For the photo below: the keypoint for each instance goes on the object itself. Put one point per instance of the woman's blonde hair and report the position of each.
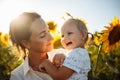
(20, 28)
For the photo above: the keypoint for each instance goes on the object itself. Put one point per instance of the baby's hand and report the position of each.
(42, 66)
(58, 59)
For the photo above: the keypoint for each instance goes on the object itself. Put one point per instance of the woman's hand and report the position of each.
(42, 66)
(58, 59)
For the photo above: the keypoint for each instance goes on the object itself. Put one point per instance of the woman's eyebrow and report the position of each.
(42, 32)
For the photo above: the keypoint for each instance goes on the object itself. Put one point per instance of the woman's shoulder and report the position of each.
(18, 69)
(17, 73)
(22, 68)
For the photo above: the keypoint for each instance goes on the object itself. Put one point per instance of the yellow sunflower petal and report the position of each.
(5, 39)
(105, 31)
(57, 42)
(106, 27)
(115, 21)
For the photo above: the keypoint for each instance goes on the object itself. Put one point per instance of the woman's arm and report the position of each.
(61, 73)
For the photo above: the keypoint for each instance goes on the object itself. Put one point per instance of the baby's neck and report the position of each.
(78, 47)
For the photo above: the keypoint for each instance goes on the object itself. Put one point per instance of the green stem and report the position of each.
(96, 66)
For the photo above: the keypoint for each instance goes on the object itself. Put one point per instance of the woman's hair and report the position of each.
(80, 25)
(20, 28)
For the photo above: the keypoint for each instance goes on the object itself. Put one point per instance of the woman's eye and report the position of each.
(42, 35)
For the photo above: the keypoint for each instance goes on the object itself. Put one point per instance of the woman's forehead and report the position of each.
(38, 26)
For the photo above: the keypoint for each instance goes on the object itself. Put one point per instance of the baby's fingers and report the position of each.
(58, 58)
(41, 68)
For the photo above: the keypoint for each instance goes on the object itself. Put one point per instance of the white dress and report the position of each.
(79, 61)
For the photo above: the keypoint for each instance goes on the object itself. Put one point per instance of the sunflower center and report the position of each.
(114, 35)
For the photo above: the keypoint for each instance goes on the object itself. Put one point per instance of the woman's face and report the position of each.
(41, 39)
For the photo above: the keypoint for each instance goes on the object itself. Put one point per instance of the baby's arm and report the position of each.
(61, 73)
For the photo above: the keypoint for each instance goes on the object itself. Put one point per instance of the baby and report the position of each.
(77, 62)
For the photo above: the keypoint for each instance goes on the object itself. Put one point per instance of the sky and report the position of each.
(97, 13)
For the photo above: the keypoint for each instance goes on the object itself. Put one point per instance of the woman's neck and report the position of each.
(35, 59)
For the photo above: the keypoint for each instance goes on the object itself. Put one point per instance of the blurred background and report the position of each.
(102, 18)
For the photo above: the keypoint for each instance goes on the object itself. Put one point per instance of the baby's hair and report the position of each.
(80, 24)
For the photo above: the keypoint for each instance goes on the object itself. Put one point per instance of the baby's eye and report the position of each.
(70, 33)
(62, 35)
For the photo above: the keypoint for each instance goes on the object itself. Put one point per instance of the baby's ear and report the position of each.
(25, 44)
(85, 34)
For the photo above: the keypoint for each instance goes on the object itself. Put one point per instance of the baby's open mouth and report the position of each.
(69, 43)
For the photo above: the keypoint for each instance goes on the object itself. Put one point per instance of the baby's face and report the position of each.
(71, 36)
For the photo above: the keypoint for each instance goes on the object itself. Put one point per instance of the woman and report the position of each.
(30, 33)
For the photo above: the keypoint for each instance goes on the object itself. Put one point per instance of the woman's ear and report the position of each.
(25, 43)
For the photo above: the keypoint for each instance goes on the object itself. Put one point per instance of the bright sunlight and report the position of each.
(11, 9)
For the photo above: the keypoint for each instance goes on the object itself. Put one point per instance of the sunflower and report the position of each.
(96, 38)
(111, 36)
(52, 26)
(0, 33)
(5, 39)
(57, 41)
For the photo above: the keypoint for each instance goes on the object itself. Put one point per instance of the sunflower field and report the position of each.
(104, 52)
(103, 48)
(9, 57)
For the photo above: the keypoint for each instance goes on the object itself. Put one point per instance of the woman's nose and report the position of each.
(50, 37)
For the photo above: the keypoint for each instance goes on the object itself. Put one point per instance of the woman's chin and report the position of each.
(50, 48)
